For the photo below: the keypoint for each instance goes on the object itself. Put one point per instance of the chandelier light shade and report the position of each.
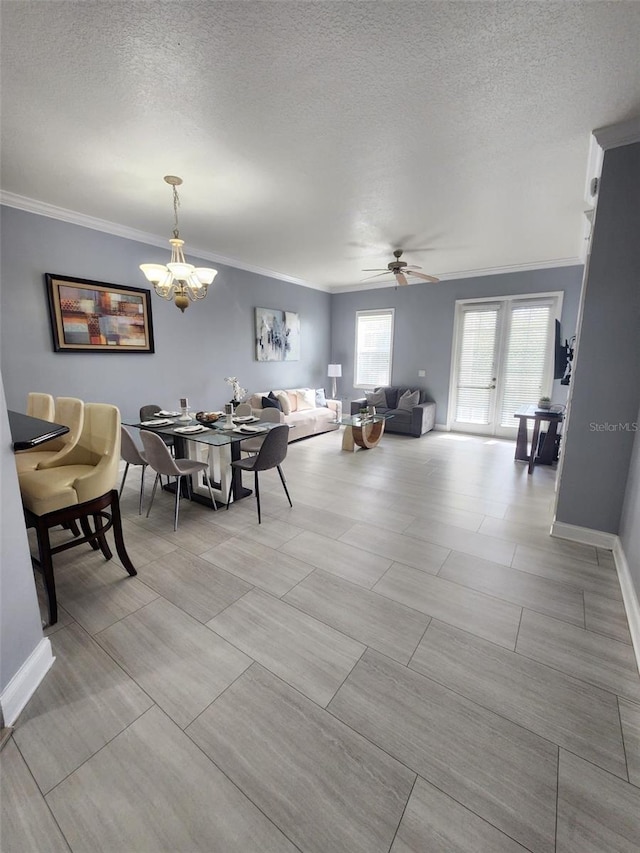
(178, 280)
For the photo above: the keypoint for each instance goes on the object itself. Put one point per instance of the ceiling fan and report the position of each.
(400, 269)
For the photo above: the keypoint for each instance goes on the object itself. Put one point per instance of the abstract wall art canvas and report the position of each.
(91, 316)
(277, 335)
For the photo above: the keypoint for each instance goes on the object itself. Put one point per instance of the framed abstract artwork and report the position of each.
(277, 335)
(91, 316)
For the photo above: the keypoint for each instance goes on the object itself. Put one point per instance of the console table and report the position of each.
(548, 449)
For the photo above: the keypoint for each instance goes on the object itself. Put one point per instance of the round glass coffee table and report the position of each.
(362, 432)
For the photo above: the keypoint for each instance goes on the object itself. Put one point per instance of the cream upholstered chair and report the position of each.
(80, 489)
(162, 462)
(132, 455)
(271, 454)
(68, 411)
(40, 406)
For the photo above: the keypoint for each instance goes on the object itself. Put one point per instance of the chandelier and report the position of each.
(178, 280)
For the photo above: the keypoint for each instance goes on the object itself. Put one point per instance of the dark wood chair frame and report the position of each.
(67, 517)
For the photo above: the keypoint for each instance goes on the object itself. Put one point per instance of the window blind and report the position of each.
(526, 358)
(374, 343)
(476, 365)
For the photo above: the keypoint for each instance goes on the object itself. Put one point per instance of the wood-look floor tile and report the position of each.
(502, 772)
(538, 537)
(400, 547)
(304, 652)
(606, 558)
(483, 615)
(97, 595)
(143, 546)
(84, 700)
(193, 583)
(337, 558)
(597, 813)
(179, 662)
(195, 535)
(584, 576)
(434, 822)
(372, 619)
(382, 512)
(27, 824)
(521, 588)
(562, 709)
(606, 616)
(592, 657)
(323, 785)
(476, 544)
(321, 521)
(431, 509)
(259, 565)
(630, 719)
(158, 800)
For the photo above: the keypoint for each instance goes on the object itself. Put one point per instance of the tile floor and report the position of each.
(405, 661)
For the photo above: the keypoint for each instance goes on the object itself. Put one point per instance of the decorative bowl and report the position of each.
(207, 418)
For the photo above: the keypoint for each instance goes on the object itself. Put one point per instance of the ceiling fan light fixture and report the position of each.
(178, 280)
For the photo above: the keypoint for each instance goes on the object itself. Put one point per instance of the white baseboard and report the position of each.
(629, 596)
(441, 428)
(584, 535)
(24, 683)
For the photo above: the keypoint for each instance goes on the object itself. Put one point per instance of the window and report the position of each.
(374, 345)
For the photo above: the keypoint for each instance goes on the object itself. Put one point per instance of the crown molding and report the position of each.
(615, 135)
(42, 208)
(539, 265)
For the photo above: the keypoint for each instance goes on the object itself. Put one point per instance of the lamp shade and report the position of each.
(334, 370)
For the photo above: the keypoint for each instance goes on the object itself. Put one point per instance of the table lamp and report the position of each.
(334, 371)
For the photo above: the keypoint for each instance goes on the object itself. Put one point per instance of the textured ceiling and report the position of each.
(313, 137)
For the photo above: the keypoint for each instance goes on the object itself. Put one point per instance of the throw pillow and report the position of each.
(268, 403)
(391, 394)
(283, 399)
(376, 398)
(408, 400)
(321, 400)
(306, 399)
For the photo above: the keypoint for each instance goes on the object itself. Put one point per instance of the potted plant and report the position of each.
(544, 403)
(237, 392)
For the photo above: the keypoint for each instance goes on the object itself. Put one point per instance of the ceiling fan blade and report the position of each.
(366, 278)
(412, 267)
(401, 278)
(376, 269)
(421, 275)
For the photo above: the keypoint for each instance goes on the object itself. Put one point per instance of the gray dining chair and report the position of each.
(253, 445)
(242, 410)
(149, 412)
(162, 462)
(132, 455)
(271, 454)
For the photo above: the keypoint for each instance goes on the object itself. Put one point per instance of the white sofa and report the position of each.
(305, 421)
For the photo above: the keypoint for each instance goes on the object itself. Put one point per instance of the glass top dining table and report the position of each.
(222, 475)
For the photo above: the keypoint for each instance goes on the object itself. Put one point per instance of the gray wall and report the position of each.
(630, 520)
(194, 352)
(606, 386)
(214, 338)
(20, 626)
(424, 324)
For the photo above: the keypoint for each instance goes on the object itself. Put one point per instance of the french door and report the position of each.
(502, 360)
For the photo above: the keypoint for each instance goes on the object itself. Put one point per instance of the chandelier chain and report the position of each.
(176, 205)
